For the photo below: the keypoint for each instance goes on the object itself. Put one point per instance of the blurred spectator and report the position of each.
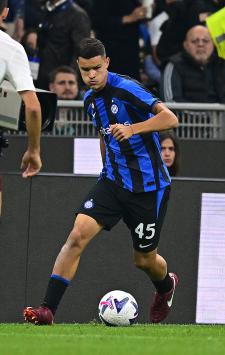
(197, 74)
(87, 5)
(29, 42)
(116, 24)
(170, 151)
(64, 25)
(29, 13)
(199, 10)
(148, 65)
(10, 20)
(172, 30)
(64, 83)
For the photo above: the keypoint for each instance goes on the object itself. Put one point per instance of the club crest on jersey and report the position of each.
(114, 109)
(89, 204)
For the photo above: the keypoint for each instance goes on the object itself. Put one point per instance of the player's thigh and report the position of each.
(102, 204)
(144, 217)
(87, 225)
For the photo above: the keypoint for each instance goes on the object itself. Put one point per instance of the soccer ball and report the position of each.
(118, 308)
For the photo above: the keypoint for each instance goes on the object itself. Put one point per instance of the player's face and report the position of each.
(199, 44)
(168, 151)
(65, 86)
(94, 71)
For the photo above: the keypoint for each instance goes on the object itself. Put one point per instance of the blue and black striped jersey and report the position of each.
(134, 164)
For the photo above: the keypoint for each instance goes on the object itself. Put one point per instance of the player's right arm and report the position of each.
(18, 73)
(102, 149)
(31, 162)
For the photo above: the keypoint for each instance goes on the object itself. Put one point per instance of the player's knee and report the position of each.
(76, 239)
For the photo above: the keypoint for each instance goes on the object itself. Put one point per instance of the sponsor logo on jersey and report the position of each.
(106, 131)
(114, 109)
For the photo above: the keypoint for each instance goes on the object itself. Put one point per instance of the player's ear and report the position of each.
(5, 13)
(107, 61)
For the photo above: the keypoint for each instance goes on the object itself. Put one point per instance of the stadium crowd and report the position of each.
(172, 52)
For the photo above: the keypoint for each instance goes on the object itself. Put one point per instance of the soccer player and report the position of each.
(133, 185)
(14, 59)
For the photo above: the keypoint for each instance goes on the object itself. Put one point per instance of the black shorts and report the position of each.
(143, 213)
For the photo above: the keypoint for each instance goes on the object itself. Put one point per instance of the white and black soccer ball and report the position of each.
(118, 308)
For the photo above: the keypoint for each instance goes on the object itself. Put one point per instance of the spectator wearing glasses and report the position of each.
(196, 74)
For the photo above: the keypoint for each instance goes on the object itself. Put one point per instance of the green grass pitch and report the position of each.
(96, 339)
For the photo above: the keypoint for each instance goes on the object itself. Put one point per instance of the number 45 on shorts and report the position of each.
(142, 229)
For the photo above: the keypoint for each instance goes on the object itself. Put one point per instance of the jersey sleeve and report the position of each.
(18, 71)
(146, 98)
(139, 96)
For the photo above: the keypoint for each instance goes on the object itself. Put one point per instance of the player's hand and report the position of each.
(121, 132)
(31, 164)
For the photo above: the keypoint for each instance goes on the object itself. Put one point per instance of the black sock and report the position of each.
(56, 287)
(165, 285)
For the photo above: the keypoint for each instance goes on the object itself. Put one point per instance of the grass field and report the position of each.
(96, 339)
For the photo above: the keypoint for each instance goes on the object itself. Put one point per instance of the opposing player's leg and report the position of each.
(145, 217)
(85, 228)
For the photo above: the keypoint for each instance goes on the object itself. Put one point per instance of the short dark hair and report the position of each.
(3, 4)
(169, 134)
(91, 47)
(61, 69)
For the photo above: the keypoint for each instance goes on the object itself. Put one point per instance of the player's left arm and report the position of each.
(163, 119)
